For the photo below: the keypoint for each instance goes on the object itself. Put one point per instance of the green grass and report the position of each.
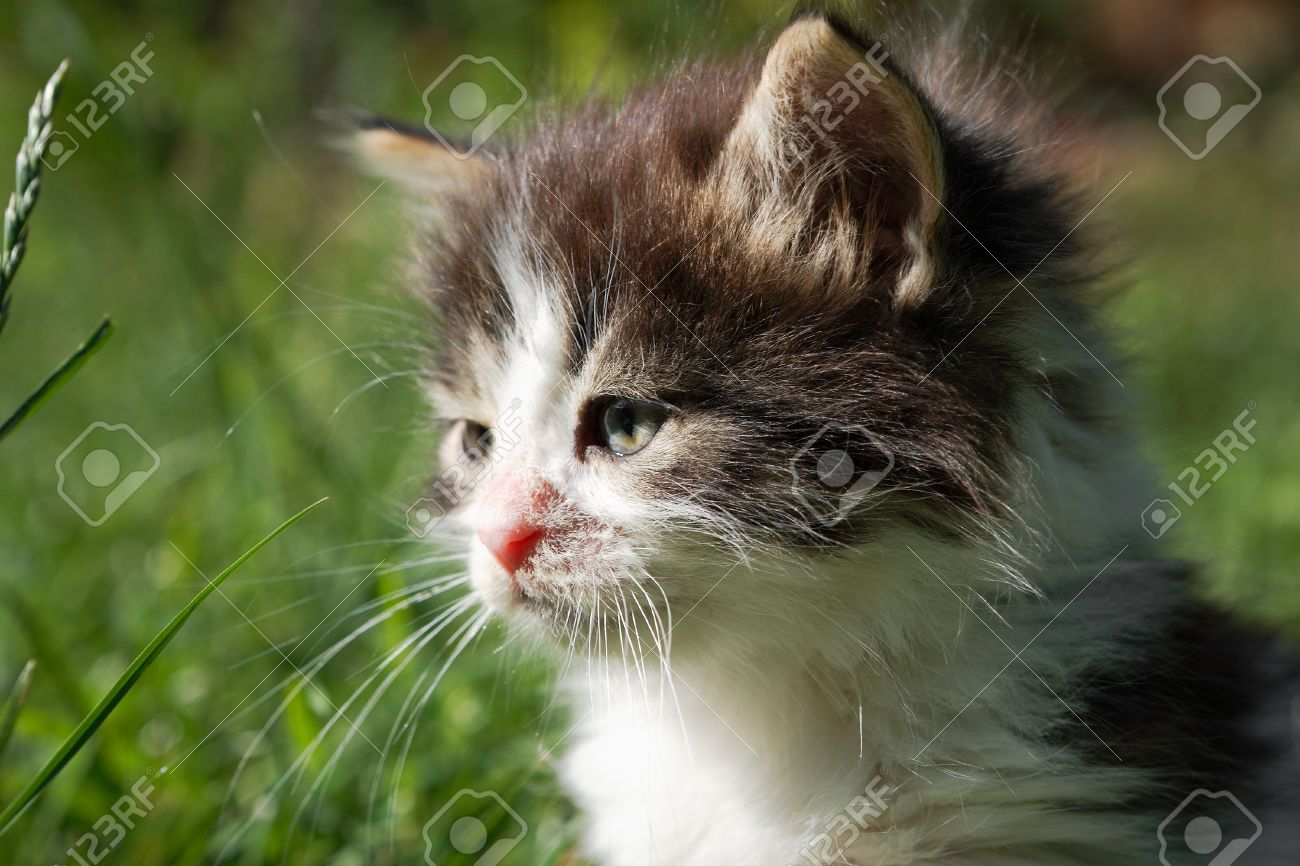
(120, 689)
(28, 165)
(282, 413)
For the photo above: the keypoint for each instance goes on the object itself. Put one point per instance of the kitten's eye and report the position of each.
(475, 440)
(626, 426)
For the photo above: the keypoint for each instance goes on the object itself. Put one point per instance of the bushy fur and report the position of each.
(985, 631)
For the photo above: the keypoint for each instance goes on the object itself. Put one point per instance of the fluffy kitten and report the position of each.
(788, 373)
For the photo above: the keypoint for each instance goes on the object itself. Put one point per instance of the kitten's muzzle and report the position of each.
(512, 524)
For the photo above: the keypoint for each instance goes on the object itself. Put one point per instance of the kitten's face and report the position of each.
(581, 467)
(690, 335)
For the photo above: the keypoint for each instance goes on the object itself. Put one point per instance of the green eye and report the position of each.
(626, 426)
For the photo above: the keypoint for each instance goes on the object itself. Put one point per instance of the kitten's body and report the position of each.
(988, 635)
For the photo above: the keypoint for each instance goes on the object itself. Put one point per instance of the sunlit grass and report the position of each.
(120, 689)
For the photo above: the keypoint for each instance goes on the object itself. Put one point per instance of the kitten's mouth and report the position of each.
(531, 589)
(548, 594)
(525, 591)
(541, 591)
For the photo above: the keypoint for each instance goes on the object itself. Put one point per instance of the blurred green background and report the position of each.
(254, 425)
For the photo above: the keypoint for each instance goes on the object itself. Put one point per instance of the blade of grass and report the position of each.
(14, 703)
(60, 376)
(13, 241)
(91, 722)
(27, 184)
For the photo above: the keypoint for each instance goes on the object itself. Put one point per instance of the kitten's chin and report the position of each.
(523, 595)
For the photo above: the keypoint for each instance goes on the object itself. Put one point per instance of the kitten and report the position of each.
(794, 429)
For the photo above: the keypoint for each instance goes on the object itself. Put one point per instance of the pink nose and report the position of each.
(511, 518)
(511, 545)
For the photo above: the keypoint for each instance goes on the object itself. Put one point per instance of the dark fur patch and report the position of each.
(1186, 704)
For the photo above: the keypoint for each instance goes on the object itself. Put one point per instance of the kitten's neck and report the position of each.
(658, 762)
(804, 704)
(914, 689)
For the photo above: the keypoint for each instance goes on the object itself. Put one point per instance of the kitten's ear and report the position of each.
(406, 154)
(839, 133)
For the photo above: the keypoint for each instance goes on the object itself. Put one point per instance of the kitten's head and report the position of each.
(738, 320)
